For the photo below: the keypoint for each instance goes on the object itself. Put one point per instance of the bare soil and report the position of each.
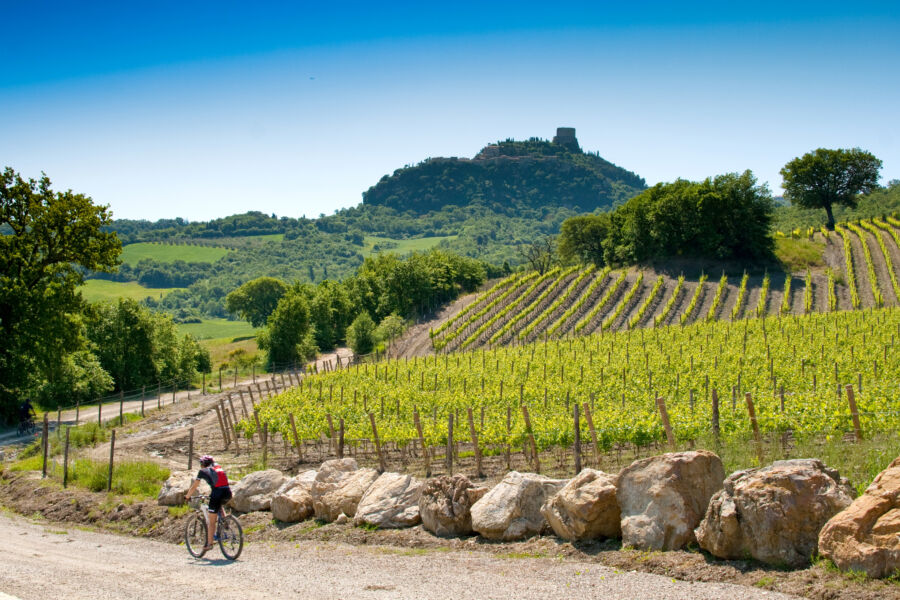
(881, 270)
(863, 285)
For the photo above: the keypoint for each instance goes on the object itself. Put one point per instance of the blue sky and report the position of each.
(205, 109)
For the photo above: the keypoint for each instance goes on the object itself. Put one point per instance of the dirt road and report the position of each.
(41, 560)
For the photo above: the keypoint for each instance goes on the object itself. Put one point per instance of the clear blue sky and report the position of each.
(205, 109)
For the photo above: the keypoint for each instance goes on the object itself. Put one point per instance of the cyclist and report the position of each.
(26, 414)
(215, 476)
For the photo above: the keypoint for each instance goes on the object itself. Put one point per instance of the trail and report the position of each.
(50, 561)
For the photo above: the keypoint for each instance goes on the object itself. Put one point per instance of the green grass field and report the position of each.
(97, 290)
(401, 246)
(211, 329)
(132, 253)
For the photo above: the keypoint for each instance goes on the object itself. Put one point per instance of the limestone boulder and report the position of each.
(392, 502)
(585, 508)
(664, 498)
(774, 513)
(338, 487)
(511, 510)
(255, 490)
(866, 535)
(292, 502)
(174, 488)
(445, 505)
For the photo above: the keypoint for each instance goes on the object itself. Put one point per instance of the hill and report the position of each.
(509, 176)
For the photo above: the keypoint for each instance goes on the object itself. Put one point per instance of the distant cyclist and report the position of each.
(215, 476)
(26, 415)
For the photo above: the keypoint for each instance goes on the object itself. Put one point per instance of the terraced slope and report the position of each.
(862, 271)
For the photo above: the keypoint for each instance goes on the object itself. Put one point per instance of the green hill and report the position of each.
(507, 176)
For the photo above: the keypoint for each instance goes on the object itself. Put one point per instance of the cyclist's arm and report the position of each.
(194, 485)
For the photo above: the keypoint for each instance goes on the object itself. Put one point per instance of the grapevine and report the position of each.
(870, 265)
(876, 231)
(556, 303)
(848, 261)
(763, 297)
(603, 302)
(695, 299)
(670, 303)
(742, 295)
(786, 297)
(478, 300)
(717, 299)
(588, 293)
(634, 320)
(832, 296)
(525, 312)
(611, 318)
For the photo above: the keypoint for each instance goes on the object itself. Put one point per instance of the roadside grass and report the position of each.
(220, 348)
(99, 290)
(799, 254)
(169, 253)
(373, 244)
(136, 479)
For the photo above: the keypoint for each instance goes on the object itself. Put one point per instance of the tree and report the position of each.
(256, 300)
(287, 334)
(48, 239)
(826, 177)
(360, 334)
(581, 239)
(539, 254)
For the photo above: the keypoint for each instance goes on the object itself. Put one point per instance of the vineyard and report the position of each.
(862, 270)
(797, 370)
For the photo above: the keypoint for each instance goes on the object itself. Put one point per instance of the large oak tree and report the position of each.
(824, 177)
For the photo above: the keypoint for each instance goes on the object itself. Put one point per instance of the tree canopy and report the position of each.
(824, 177)
(51, 237)
(256, 300)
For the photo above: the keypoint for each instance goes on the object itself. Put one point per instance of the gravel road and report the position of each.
(42, 560)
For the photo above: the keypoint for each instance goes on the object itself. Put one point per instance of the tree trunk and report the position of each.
(830, 223)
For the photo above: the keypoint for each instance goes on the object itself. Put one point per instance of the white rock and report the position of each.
(512, 509)
(338, 487)
(392, 502)
(293, 500)
(663, 498)
(586, 508)
(174, 488)
(445, 504)
(255, 490)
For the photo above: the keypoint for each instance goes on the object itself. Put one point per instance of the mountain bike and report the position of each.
(229, 533)
(26, 427)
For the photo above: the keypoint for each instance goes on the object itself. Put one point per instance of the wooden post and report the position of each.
(577, 440)
(66, 460)
(422, 443)
(296, 437)
(220, 378)
(590, 422)
(340, 448)
(232, 425)
(45, 441)
(191, 449)
(381, 464)
(143, 394)
(158, 394)
(256, 419)
(448, 458)
(265, 444)
(330, 433)
(203, 387)
(121, 405)
(715, 414)
(112, 451)
(751, 410)
(664, 415)
(77, 412)
(221, 425)
(474, 435)
(854, 413)
(100, 411)
(508, 435)
(534, 450)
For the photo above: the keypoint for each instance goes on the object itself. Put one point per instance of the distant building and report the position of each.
(565, 136)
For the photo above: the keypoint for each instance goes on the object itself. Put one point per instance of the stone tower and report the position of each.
(565, 136)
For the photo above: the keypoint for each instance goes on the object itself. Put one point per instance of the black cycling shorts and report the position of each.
(218, 497)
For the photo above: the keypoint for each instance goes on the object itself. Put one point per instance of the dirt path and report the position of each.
(42, 561)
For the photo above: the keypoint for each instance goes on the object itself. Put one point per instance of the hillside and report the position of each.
(507, 176)
(859, 267)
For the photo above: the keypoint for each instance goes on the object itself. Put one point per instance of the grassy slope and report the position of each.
(218, 328)
(403, 246)
(133, 253)
(97, 290)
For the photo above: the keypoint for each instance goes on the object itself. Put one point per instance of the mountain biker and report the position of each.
(215, 476)
(26, 412)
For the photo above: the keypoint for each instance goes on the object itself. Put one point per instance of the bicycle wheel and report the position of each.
(231, 537)
(195, 536)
